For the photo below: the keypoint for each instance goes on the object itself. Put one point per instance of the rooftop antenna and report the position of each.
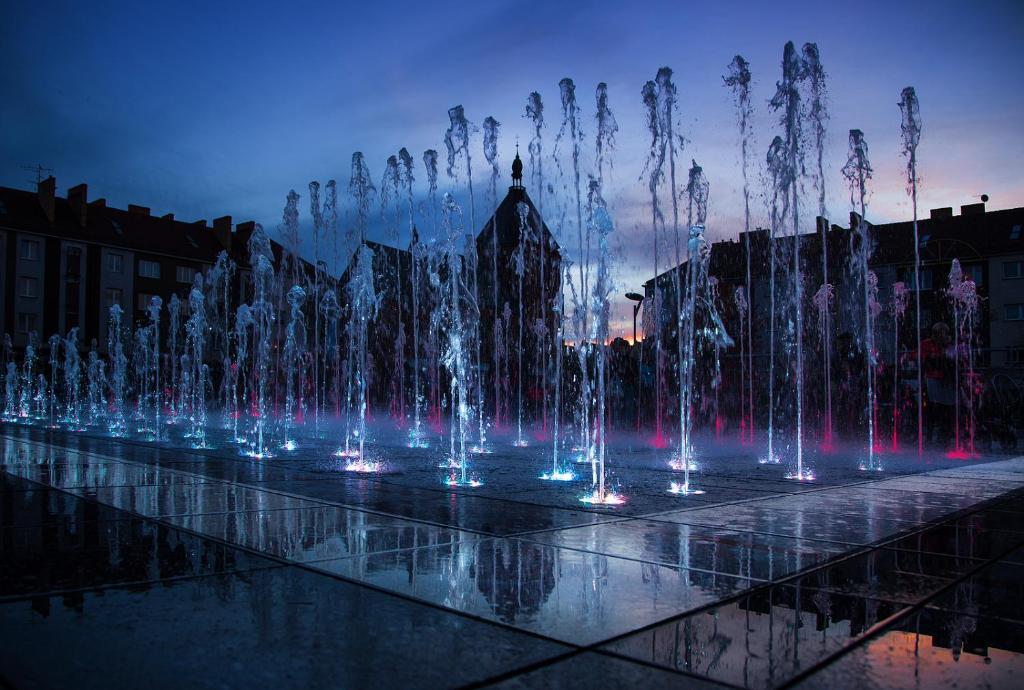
(38, 169)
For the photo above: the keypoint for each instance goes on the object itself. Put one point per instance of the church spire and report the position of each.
(517, 170)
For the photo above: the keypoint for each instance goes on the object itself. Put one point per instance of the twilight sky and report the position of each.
(204, 110)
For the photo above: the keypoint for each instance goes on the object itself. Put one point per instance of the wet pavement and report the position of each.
(128, 565)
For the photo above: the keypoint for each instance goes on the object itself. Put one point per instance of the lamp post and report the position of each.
(639, 299)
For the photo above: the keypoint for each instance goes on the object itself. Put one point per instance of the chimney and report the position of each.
(222, 231)
(243, 231)
(138, 210)
(47, 190)
(78, 197)
(977, 209)
(942, 213)
(99, 203)
(167, 216)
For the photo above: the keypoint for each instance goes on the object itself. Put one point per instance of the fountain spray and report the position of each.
(655, 164)
(600, 223)
(430, 166)
(897, 306)
(857, 172)
(155, 305)
(118, 370)
(910, 127)
(294, 348)
(316, 210)
(364, 301)
(571, 126)
(195, 341)
(456, 140)
(787, 99)
(523, 212)
(739, 80)
(491, 129)
(535, 111)
(262, 312)
(455, 357)
(818, 114)
(406, 179)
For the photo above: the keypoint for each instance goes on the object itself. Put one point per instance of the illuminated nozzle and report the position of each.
(683, 489)
(364, 465)
(608, 499)
(804, 475)
(558, 476)
(456, 481)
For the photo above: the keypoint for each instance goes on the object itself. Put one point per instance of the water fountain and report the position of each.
(857, 172)
(455, 303)
(818, 115)
(456, 140)
(963, 296)
(72, 416)
(364, 302)
(910, 128)
(294, 348)
(739, 80)
(897, 307)
(554, 373)
(262, 313)
(194, 366)
(118, 371)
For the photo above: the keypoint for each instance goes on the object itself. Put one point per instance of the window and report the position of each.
(30, 250)
(149, 269)
(1015, 356)
(73, 263)
(143, 300)
(1015, 232)
(115, 263)
(926, 278)
(112, 296)
(186, 274)
(1013, 269)
(1015, 312)
(28, 287)
(26, 322)
(975, 272)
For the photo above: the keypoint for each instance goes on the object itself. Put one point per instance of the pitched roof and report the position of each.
(507, 217)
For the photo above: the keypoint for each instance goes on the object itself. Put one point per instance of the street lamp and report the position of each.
(639, 299)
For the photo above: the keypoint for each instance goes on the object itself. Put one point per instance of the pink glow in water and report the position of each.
(609, 499)
(659, 441)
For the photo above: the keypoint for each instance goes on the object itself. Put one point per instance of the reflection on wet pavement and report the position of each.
(754, 585)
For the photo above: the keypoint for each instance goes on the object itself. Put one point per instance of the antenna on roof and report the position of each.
(38, 169)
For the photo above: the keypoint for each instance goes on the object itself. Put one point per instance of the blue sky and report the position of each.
(206, 110)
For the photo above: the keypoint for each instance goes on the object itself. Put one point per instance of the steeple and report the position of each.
(517, 170)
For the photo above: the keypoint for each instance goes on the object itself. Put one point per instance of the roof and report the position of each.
(21, 211)
(507, 217)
